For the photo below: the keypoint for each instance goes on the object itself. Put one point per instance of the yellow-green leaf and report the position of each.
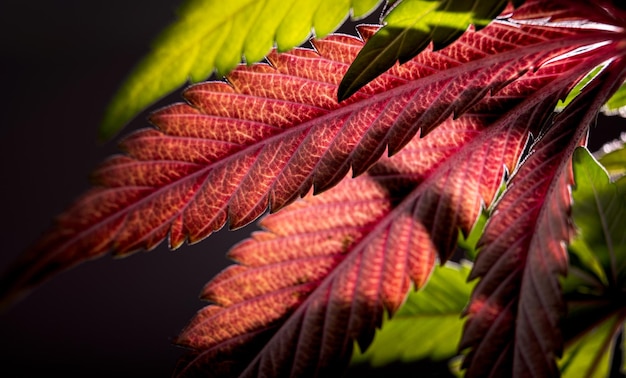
(214, 35)
(613, 157)
(617, 103)
(428, 325)
(590, 355)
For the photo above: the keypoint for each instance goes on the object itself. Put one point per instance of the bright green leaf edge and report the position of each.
(616, 105)
(590, 355)
(214, 35)
(409, 28)
(428, 325)
(613, 157)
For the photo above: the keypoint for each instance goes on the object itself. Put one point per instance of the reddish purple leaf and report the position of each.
(514, 316)
(274, 131)
(327, 267)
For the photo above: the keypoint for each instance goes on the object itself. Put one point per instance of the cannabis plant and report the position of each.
(455, 131)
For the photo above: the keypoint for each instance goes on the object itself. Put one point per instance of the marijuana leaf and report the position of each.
(270, 133)
(437, 186)
(211, 35)
(325, 270)
(594, 289)
(516, 308)
(429, 323)
(409, 28)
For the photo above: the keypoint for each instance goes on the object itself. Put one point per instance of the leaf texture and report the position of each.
(429, 323)
(595, 285)
(409, 28)
(273, 131)
(413, 24)
(211, 35)
(599, 215)
(514, 317)
(326, 269)
(432, 188)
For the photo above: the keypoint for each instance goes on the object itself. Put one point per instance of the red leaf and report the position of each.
(270, 134)
(327, 267)
(514, 315)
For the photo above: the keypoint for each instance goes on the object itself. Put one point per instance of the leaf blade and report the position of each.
(517, 306)
(272, 132)
(429, 323)
(196, 45)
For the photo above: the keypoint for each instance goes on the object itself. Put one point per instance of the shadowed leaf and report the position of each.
(590, 355)
(434, 186)
(409, 28)
(600, 216)
(273, 131)
(594, 288)
(514, 317)
(428, 325)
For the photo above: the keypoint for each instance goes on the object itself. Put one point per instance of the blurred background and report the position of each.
(60, 63)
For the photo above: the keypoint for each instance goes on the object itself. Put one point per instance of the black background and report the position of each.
(60, 63)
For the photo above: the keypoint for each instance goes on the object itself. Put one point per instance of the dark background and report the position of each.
(60, 63)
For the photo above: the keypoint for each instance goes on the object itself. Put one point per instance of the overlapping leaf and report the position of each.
(305, 322)
(590, 355)
(413, 24)
(274, 131)
(409, 28)
(513, 328)
(429, 323)
(613, 156)
(326, 269)
(594, 289)
(211, 35)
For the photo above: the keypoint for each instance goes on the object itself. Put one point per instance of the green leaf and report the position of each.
(579, 86)
(210, 35)
(469, 243)
(613, 157)
(617, 103)
(599, 212)
(597, 272)
(590, 355)
(428, 325)
(409, 28)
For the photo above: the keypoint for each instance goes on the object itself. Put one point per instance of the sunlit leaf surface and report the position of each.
(210, 35)
(273, 131)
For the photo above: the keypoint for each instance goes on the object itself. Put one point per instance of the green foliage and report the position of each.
(429, 324)
(617, 103)
(613, 161)
(600, 214)
(210, 35)
(590, 356)
(409, 28)
(597, 269)
(469, 244)
(576, 90)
